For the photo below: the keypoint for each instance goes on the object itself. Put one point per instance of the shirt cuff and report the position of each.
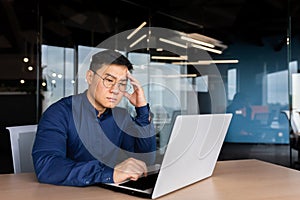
(143, 114)
(144, 110)
(107, 175)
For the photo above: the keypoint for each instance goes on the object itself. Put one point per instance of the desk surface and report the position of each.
(241, 179)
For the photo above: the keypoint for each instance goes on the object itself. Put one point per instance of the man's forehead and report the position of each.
(116, 71)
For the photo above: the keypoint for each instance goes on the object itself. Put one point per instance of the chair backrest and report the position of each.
(21, 139)
(295, 121)
(286, 113)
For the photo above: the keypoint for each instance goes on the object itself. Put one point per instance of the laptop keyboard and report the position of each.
(142, 183)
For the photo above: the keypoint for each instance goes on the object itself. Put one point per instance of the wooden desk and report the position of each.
(242, 179)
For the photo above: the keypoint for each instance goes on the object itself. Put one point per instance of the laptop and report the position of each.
(190, 156)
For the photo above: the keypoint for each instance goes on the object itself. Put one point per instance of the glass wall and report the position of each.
(167, 87)
(261, 95)
(294, 80)
(57, 74)
(257, 85)
(259, 38)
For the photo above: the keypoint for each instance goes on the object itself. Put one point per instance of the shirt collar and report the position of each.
(91, 108)
(104, 115)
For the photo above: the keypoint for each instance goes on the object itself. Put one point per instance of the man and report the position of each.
(86, 139)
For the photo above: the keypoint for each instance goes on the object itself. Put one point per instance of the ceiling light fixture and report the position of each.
(207, 62)
(137, 41)
(197, 41)
(206, 48)
(203, 38)
(169, 57)
(173, 43)
(224, 61)
(25, 59)
(174, 76)
(136, 30)
(30, 68)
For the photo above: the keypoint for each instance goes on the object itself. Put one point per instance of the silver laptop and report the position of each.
(191, 156)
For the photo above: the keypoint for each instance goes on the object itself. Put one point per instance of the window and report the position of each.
(231, 74)
(277, 88)
(57, 73)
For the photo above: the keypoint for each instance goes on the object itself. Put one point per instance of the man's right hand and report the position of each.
(130, 169)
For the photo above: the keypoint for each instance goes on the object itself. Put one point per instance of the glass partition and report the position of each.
(259, 38)
(57, 74)
(256, 85)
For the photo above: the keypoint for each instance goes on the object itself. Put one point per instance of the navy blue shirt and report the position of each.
(75, 147)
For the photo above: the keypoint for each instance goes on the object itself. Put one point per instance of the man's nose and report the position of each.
(115, 89)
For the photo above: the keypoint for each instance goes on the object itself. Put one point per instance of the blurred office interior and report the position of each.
(256, 51)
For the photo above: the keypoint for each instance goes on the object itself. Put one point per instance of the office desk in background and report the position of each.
(240, 179)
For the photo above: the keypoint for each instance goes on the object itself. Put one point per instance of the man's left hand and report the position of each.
(137, 98)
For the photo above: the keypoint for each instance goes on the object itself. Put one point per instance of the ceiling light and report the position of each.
(174, 76)
(30, 68)
(136, 30)
(197, 41)
(173, 43)
(169, 57)
(224, 61)
(25, 60)
(207, 62)
(206, 48)
(137, 41)
(203, 38)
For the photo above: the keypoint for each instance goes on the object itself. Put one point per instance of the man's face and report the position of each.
(106, 93)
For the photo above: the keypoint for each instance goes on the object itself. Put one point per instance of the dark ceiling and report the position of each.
(88, 22)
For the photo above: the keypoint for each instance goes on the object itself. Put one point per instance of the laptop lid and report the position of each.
(191, 154)
(192, 151)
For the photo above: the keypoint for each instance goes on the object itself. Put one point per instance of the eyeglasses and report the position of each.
(109, 82)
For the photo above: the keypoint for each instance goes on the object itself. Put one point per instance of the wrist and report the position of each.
(141, 105)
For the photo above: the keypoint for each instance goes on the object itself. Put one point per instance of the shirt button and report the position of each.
(87, 182)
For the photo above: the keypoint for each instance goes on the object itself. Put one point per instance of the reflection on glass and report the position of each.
(231, 78)
(261, 123)
(57, 73)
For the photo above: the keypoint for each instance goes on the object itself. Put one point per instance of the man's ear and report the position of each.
(89, 76)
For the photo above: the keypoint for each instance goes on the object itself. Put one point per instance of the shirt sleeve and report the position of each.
(52, 161)
(144, 138)
(143, 115)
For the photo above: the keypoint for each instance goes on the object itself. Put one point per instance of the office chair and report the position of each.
(294, 135)
(21, 139)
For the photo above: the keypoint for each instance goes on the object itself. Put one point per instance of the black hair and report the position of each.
(109, 57)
